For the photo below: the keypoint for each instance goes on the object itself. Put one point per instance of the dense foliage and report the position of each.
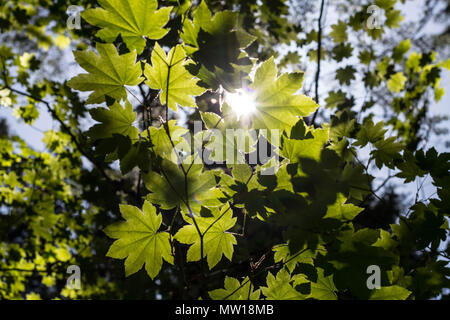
(179, 216)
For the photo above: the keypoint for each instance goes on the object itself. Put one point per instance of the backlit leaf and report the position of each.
(139, 240)
(131, 19)
(108, 74)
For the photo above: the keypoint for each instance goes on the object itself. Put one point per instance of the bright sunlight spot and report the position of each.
(242, 102)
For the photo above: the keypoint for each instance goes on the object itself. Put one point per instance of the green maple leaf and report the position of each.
(216, 44)
(242, 172)
(343, 149)
(385, 241)
(383, 66)
(202, 16)
(139, 240)
(235, 290)
(168, 73)
(215, 41)
(137, 155)
(312, 36)
(310, 148)
(131, 19)
(342, 211)
(230, 79)
(282, 254)
(242, 181)
(161, 142)
(217, 242)
(393, 18)
(114, 120)
(169, 189)
(371, 81)
(410, 169)
(429, 226)
(390, 293)
(45, 220)
(357, 249)
(313, 55)
(222, 138)
(277, 105)
(335, 99)
(397, 82)
(345, 75)
(280, 287)
(386, 152)
(366, 57)
(323, 288)
(385, 4)
(358, 182)
(108, 73)
(342, 51)
(401, 49)
(343, 124)
(370, 132)
(339, 33)
(375, 33)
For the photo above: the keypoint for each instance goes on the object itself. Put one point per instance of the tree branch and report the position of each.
(319, 53)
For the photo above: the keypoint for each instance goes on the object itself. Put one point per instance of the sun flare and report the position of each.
(242, 102)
